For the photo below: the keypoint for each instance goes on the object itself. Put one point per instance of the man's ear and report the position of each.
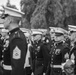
(9, 20)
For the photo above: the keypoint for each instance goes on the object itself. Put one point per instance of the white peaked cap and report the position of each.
(36, 32)
(27, 34)
(72, 28)
(56, 30)
(13, 12)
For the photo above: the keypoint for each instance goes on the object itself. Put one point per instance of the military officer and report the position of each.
(15, 52)
(59, 53)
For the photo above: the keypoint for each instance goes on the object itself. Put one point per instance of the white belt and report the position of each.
(7, 67)
(56, 66)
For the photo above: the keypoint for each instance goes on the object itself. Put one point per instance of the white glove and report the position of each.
(63, 66)
(32, 73)
(44, 74)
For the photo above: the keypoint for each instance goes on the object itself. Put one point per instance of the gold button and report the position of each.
(4, 45)
(2, 50)
(35, 52)
(36, 56)
(2, 56)
(51, 62)
(15, 32)
(51, 59)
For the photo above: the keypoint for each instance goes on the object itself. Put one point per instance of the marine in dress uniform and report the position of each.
(5, 52)
(72, 54)
(17, 47)
(58, 54)
(40, 57)
(34, 50)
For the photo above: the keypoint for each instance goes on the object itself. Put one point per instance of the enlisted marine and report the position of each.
(34, 50)
(17, 45)
(6, 54)
(59, 54)
(72, 54)
(40, 57)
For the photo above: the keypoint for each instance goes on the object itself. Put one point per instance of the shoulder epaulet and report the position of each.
(17, 34)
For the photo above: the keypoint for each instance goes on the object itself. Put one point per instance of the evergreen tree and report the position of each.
(46, 13)
(8, 4)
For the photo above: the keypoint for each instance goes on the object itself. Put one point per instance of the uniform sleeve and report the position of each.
(18, 48)
(46, 57)
(1, 48)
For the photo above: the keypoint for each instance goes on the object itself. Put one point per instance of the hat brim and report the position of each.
(13, 12)
(4, 16)
(58, 34)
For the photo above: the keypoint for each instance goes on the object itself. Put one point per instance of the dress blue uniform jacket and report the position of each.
(18, 49)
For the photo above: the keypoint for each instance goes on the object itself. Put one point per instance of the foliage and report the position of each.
(27, 6)
(11, 6)
(46, 13)
(38, 19)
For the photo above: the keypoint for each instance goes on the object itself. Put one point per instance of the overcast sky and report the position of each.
(13, 2)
